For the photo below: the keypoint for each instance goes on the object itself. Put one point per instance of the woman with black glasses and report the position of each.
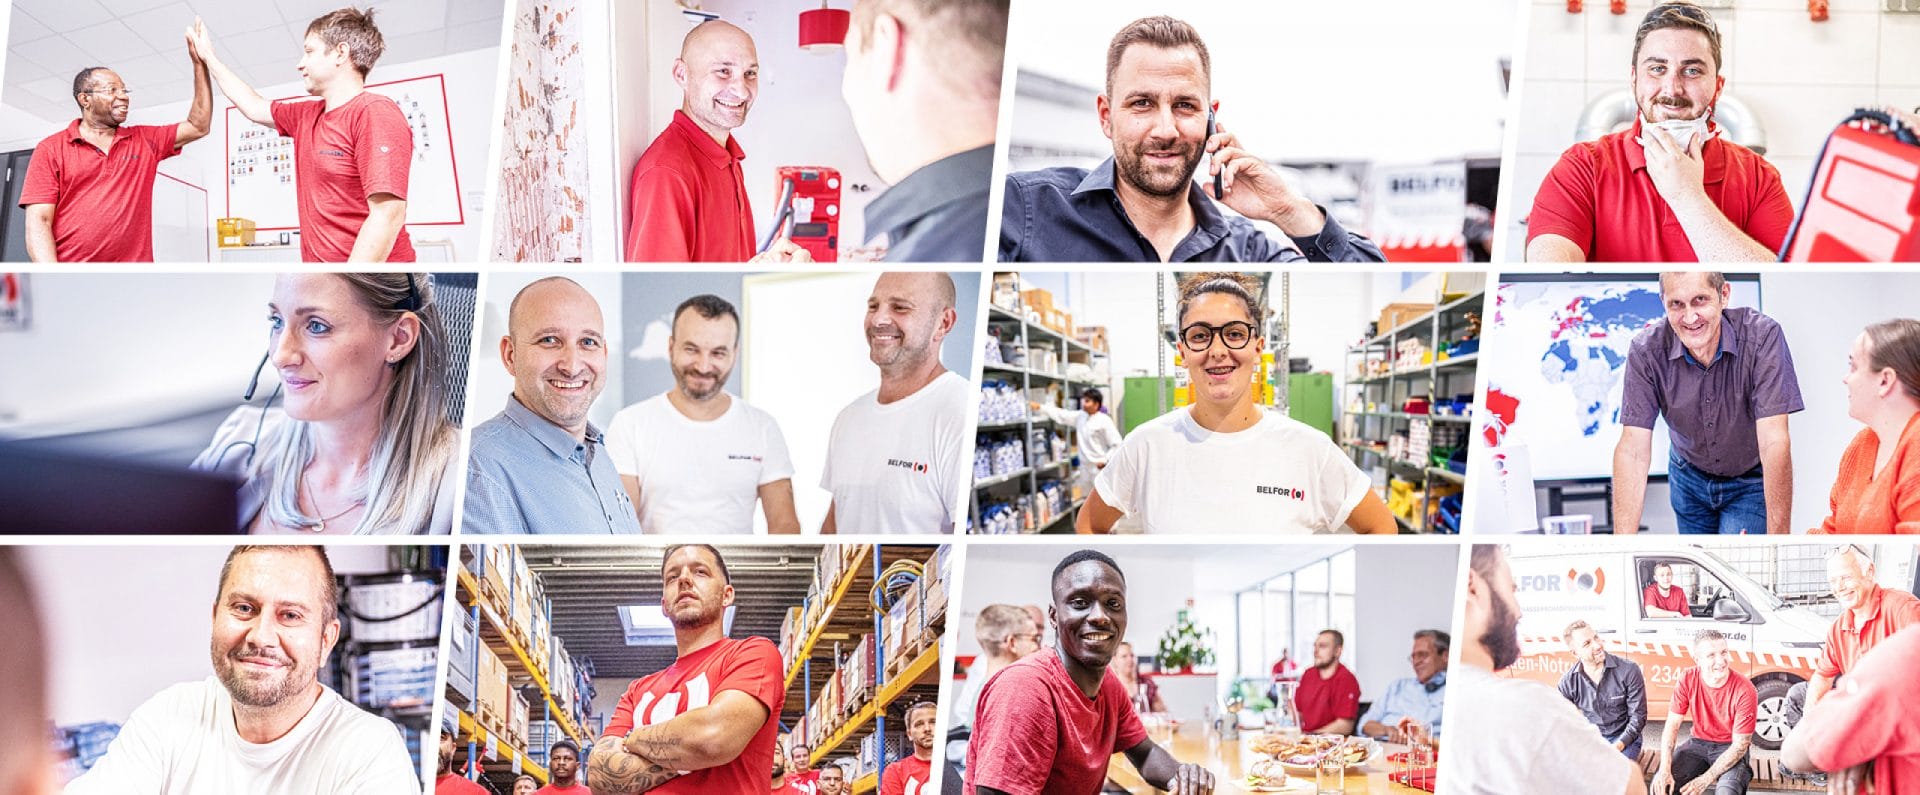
(1227, 464)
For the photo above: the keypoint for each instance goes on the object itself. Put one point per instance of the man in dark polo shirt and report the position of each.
(89, 188)
(1609, 690)
(1723, 379)
(1142, 205)
(923, 85)
(1048, 723)
(688, 198)
(1669, 189)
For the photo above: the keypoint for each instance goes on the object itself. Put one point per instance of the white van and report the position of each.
(1773, 643)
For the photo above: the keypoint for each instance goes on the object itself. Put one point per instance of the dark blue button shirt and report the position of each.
(938, 213)
(1617, 705)
(1074, 215)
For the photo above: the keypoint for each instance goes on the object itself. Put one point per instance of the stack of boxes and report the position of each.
(493, 708)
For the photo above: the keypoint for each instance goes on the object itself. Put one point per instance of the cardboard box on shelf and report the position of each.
(517, 717)
(491, 682)
(1394, 315)
(1094, 337)
(1036, 300)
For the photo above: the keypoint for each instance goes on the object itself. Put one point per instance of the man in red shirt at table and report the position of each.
(88, 192)
(1867, 718)
(447, 782)
(1329, 695)
(1048, 723)
(1724, 706)
(563, 762)
(1669, 189)
(706, 725)
(1661, 599)
(912, 774)
(352, 149)
(688, 198)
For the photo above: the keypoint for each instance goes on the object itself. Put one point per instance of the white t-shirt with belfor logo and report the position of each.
(1278, 476)
(900, 467)
(697, 476)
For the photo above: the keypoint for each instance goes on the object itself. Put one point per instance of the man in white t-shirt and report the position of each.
(1095, 429)
(696, 459)
(1525, 736)
(263, 722)
(896, 459)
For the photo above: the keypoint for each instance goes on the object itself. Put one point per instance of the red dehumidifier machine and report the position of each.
(1864, 202)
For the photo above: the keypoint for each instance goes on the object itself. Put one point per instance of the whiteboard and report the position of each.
(261, 184)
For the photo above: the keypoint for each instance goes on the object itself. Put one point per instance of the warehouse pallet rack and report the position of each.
(844, 616)
(1383, 395)
(523, 675)
(1026, 480)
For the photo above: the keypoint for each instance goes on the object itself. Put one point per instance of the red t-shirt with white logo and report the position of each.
(1718, 712)
(1035, 732)
(805, 783)
(453, 784)
(342, 157)
(102, 201)
(909, 776)
(751, 666)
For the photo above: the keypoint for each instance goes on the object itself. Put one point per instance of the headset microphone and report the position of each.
(257, 370)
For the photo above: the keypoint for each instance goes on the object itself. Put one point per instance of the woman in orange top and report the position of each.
(1878, 489)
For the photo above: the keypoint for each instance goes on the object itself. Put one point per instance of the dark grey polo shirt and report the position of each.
(528, 475)
(938, 213)
(1711, 409)
(1617, 705)
(1074, 215)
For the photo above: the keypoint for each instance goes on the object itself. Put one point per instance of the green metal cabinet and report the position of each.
(1310, 399)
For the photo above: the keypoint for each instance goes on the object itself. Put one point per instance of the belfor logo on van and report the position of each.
(1575, 580)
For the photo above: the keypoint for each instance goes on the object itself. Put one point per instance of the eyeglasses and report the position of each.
(122, 93)
(1198, 337)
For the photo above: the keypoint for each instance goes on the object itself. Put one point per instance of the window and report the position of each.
(1286, 613)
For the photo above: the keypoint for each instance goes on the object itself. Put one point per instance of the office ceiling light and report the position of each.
(824, 29)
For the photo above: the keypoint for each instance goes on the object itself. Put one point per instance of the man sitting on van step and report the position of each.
(1724, 706)
(1609, 690)
(1872, 613)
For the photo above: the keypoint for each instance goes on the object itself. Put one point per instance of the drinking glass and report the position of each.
(1330, 773)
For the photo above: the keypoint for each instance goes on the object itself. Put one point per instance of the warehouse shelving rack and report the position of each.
(1386, 392)
(844, 616)
(1026, 480)
(491, 629)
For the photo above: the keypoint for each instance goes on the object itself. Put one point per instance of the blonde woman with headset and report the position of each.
(362, 443)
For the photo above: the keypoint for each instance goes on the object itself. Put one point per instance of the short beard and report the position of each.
(1502, 638)
(1136, 175)
(719, 384)
(296, 679)
(696, 621)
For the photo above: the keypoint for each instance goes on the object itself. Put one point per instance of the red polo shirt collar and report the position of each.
(120, 133)
(709, 150)
(1713, 155)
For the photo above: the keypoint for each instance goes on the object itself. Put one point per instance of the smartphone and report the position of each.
(1219, 179)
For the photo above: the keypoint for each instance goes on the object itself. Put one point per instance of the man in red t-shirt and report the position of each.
(1668, 189)
(913, 773)
(707, 723)
(687, 201)
(1724, 706)
(563, 763)
(447, 782)
(833, 779)
(1868, 717)
(1328, 698)
(1660, 598)
(800, 773)
(352, 149)
(88, 190)
(1050, 722)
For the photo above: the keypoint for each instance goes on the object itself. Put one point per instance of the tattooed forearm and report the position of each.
(613, 771)
(655, 745)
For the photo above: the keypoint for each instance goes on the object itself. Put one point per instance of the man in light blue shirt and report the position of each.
(1418, 697)
(540, 466)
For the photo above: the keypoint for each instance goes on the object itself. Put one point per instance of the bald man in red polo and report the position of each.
(688, 198)
(89, 188)
(1669, 189)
